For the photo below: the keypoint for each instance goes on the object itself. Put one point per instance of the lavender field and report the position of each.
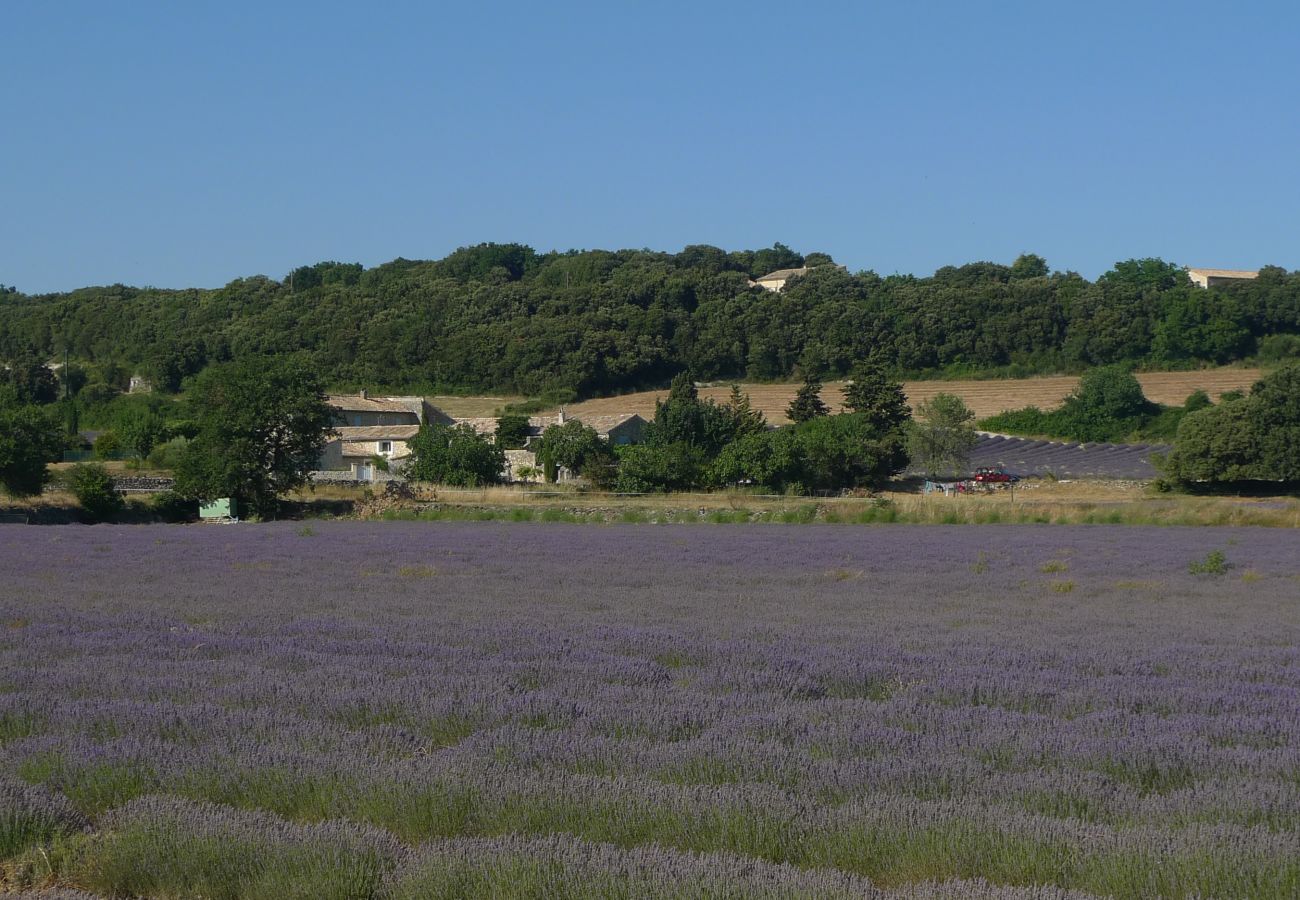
(409, 710)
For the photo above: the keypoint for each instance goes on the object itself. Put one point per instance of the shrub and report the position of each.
(1214, 564)
(172, 507)
(168, 455)
(93, 487)
(108, 446)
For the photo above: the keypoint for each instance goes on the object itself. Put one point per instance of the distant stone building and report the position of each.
(1208, 278)
(775, 281)
(372, 433)
(618, 429)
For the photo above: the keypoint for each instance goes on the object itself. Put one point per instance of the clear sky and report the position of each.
(187, 144)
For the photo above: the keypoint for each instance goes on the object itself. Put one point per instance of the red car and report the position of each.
(994, 475)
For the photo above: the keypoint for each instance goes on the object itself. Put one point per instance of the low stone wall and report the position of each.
(140, 484)
(347, 478)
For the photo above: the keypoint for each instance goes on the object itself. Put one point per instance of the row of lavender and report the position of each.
(1069, 708)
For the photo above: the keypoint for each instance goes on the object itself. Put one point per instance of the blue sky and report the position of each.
(187, 144)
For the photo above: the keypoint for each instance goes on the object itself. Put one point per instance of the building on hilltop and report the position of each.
(1208, 278)
(775, 281)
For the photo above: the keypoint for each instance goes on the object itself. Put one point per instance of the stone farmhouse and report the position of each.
(368, 429)
(1208, 278)
(618, 430)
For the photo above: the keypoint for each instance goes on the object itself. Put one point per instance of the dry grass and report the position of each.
(986, 398)
(471, 407)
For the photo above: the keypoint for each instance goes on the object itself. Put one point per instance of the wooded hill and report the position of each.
(503, 317)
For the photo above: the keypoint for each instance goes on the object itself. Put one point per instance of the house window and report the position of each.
(385, 446)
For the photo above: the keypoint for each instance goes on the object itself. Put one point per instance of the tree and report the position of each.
(646, 468)
(31, 380)
(1107, 394)
(574, 446)
(846, 450)
(683, 418)
(455, 454)
(512, 431)
(1029, 265)
(1276, 404)
(261, 428)
(942, 435)
(770, 458)
(807, 403)
(1217, 444)
(746, 420)
(93, 487)
(29, 440)
(1251, 438)
(878, 397)
(140, 428)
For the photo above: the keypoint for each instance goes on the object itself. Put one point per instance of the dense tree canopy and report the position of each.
(29, 440)
(1251, 438)
(261, 429)
(455, 454)
(503, 317)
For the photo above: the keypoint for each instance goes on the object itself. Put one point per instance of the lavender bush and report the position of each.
(393, 709)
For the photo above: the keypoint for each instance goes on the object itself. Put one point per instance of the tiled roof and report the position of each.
(606, 424)
(1224, 273)
(377, 432)
(354, 403)
(782, 274)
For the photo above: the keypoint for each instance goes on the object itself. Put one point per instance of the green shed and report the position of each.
(221, 508)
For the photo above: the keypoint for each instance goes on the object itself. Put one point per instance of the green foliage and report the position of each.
(92, 485)
(261, 429)
(577, 448)
(877, 397)
(172, 507)
(29, 381)
(846, 450)
(746, 420)
(1197, 399)
(773, 459)
(139, 429)
(1215, 563)
(1252, 438)
(29, 440)
(456, 455)
(1108, 405)
(648, 468)
(512, 431)
(942, 435)
(108, 446)
(683, 418)
(807, 403)
(504, 317)
(168, 455)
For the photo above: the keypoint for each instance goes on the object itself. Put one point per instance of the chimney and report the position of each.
(559, 420)
(364, 394)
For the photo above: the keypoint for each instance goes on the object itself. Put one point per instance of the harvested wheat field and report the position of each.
(987, 397)
(472, 407)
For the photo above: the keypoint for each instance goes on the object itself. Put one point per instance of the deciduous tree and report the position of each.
(261, 429)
